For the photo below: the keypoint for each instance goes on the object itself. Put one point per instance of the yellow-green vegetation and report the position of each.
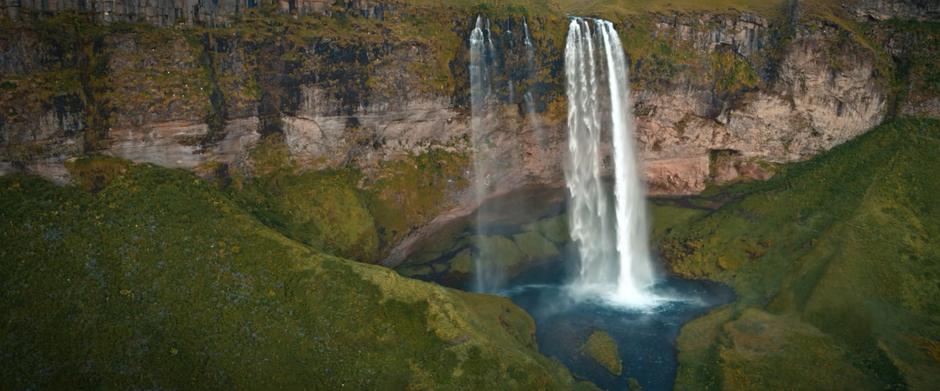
(631, 7)
(535, 246)
(768, 352)
(833, 261)
(553, 228)
(93, 173)
(156, 75)
(917, 75)
(342, 212)
(667, 214)
(64, 66)
(602, 349)
(612, 7)
(730, 72)
(323, 209)
(447, 257)
(159, 280)
(410, 192)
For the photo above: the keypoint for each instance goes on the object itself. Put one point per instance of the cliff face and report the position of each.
(770, 93)
(186, 12)
(919, 10)
(718, 96)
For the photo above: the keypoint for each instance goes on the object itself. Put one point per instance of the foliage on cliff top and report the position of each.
(161, 281)
(845, 244)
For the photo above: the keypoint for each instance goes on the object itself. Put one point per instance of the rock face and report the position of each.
(920, 10)
(187, 12)
(718, 96)
(819, 92)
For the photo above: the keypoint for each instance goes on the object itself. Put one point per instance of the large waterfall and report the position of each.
(613, 247)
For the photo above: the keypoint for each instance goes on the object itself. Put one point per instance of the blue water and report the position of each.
(645, 337)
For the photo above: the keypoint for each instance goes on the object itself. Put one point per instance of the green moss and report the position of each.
(602, 348)
(535, 246)
(322, 209)
(94, 173)
(666, 214)
(552, 228)
(160, 280)
(271, 157)
(500, 250)
(462, 263)
(158, 75)
(843, 242)
(773, 352)
(412, 191)
(731, 72)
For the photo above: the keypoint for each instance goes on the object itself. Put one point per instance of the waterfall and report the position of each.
(529, 98)
(487, 274)
(525, 29)
(613, 247)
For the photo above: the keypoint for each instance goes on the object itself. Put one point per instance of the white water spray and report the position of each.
(615, 258)
(487, 275)
(529, 98)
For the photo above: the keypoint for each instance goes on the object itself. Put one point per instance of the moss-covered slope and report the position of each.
(842, 250)
(158, 280)
(602, 349)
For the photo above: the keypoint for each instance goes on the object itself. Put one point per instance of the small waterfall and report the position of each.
(525, 29)
(487, 274)
(530, 49)
(614, 250)
(529, 97)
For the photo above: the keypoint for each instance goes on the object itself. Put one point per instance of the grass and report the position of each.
(160, 280)
(414, 190)
(844, 244)
(447, 256)
(602, 348)
(341, 211)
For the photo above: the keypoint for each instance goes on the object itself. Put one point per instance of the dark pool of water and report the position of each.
(645, 337)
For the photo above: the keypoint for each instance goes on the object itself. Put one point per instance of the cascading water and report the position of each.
(487, 275)
(529, 97)
(615, 258)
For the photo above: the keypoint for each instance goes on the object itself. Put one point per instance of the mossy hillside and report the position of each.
(841, 243)
(765, 351)
(159, 280)
(668, 213)
(602, 349)
(346, 211)
(323, 209)
(94, 173)
(410, 192)
(448, 257)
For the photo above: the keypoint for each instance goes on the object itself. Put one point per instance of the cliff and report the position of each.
(381, 88)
